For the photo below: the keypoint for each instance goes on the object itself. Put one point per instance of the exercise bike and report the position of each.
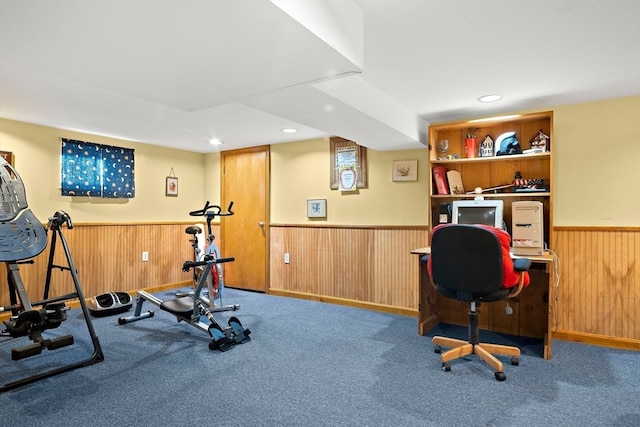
(215, 282)
(192, 307)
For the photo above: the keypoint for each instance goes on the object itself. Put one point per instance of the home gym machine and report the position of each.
(196, 308)
(22, 238)
(215, 282)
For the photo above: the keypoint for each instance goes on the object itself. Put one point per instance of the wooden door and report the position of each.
(245, 235)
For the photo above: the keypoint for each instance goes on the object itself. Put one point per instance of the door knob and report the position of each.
(261, 224)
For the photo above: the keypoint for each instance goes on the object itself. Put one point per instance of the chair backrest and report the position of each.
(22, 236)
(466, 259)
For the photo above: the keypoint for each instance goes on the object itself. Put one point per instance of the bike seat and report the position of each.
(192, 229)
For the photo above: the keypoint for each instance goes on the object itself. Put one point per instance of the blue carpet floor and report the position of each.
(313, 364)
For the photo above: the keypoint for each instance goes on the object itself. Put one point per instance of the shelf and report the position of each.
(532, 156)
(497, 172)
(491, 195)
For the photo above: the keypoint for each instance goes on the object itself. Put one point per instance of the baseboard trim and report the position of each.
(599, 340)
(346, 302)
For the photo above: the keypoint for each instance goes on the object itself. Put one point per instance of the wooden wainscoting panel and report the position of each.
(108, 257)
(396, 271)
(364, 264)
(345, 263)
(599, 288)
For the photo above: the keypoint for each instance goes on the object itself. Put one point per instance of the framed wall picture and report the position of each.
(171, 188)
(347, 155)
(317, 208)
(8, 156)
(405, 170)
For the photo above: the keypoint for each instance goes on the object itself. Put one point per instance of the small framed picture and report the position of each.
(316, 208)
(8, 156)
(171, 188)
(405, 170)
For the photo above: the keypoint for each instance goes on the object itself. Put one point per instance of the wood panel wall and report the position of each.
(599, 286)
(369, 265)
(108, 257)
(598, 293)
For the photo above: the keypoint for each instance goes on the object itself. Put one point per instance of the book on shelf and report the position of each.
(440, 179)
(455, 182)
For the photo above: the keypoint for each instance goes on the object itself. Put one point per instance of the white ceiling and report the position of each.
(177, 73)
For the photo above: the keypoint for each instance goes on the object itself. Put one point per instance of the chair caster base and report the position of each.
(500, 376)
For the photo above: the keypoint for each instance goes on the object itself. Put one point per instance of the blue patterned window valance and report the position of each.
(96, 170)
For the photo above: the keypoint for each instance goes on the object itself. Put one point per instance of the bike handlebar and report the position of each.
(211, 211)
(208, 260)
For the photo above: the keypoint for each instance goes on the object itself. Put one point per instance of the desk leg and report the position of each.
(548, 337)
(428, 308)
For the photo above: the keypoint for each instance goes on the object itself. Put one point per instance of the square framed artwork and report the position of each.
(405, 170)
(316, 208)
(171, 187)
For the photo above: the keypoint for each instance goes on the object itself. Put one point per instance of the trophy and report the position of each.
(443, 146)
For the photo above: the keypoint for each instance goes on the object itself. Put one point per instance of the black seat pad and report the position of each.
(497, 295)
(182, 306)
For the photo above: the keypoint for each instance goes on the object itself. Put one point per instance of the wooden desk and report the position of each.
(532, 309)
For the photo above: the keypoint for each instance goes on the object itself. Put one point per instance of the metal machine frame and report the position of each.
(22, 238)
(191, 308)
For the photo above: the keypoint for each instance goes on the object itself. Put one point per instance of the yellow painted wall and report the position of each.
(596, 174)
(301, 171)
(37, 160)
(596, 178)
(597, 163)
(212, 185)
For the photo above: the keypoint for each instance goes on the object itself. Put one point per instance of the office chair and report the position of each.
(471, 263)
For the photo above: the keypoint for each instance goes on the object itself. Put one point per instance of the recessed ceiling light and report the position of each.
(490, 98)
(289, 130)
(215, 141)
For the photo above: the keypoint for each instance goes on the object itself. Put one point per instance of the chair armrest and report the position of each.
(521, 264)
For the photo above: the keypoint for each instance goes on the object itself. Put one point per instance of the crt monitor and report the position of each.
(488, 212)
